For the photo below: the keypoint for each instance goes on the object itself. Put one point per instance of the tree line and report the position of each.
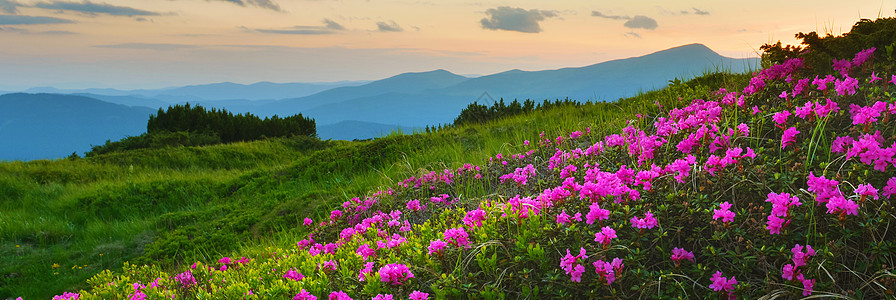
(480, 113)
(229, 127)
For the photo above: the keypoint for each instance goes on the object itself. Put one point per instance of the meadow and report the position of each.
(774, 184)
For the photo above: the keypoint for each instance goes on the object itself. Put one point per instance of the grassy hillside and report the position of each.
(66, 220)
(776, 184)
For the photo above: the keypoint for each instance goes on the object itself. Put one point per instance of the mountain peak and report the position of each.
(690, 49)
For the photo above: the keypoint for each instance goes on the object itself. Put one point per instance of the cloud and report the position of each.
(26, 31)
(515, 19)
(147, 46)
(599, 14)
(632, 34)
(389, 27)
(333, 25)
(330, 27)
(636, 22)
(91, 8)
(641, 22)
(700, 12)
(267, 4)
(30, 20)
(9, 6)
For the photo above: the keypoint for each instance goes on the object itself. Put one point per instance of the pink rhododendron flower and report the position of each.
(304, 295)
(365, 251)
(775, 224)
(865, 190)
(457, 237)
(862, 56)
(596, 213)
(743, 129)
(383, 297)
(395, 274)
(874, 77)
(335, 215)
(340, 295)
(647, 222)
(292, 274)
(842, 66)
(605, 235)
(804, 111)
(720, 283)
(563, 218)
(608, 270)
(418, 295)
(678, 254)
(328, 265)
(890, 189)
(842, 206)
(414, 205)
(367, 270)
(520, 175)
(824, 188)
(474, 217)
(799, 256)
(723, 212)
(307, 222)
(847, 86)
(67, 296)
(808, 284)
(682, 167)
(789, 137)
(185, 279)
(867, 114)
(756, 110)
(893, 80)
(570, 264)
(781, 117)
(788, 271)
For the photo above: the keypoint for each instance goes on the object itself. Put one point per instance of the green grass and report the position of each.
(175, 205)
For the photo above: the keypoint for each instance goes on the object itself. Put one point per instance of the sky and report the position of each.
(131, 44)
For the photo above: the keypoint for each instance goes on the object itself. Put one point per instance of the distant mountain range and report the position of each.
(343, 110)
(37, 126)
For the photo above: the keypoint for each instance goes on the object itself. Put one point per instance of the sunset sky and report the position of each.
(131, 44)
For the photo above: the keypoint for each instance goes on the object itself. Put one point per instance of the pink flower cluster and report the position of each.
(605, 235)
(520, 175)
(435, 247)
(679, 254)
(608, 270)
(792, 271)
(647, 222)
(570, 264)
(474, 217)
(723, 213)
(596, 213)
(396, 274)
(869, 150)
(781, 204)
(563, 218)
(789, 137)
(458, 237)
(185, 279)
(720, 283)
(340, 295)
(67, 296)
(367, 270)
(890, 188)
(304, 295)
(292, 274)
(826, 191)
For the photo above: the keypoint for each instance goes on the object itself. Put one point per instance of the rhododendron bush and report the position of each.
(720, 196)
